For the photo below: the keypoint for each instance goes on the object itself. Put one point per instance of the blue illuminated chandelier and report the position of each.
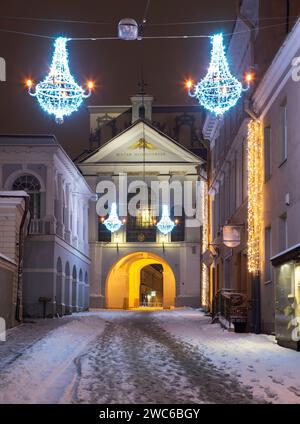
(58, 94)
(112, 223)
(218, 91)
(165, 224)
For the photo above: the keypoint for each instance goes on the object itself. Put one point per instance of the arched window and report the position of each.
(142, 112)
(31, 185)
(141, 228)
(178, 233)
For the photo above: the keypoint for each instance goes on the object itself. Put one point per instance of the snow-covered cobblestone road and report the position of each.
(139, 357)
(136, 361)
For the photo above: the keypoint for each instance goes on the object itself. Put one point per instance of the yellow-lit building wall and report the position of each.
(124, 279)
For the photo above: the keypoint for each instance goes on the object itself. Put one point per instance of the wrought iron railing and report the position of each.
(230, 308)
(151, 304)
(37, 226)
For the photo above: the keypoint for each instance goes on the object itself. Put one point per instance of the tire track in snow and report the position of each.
(136, 361)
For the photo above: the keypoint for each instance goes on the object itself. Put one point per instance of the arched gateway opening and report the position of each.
(140, 279)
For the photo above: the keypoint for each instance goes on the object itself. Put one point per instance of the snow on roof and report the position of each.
(7, 259)
(20, 139)
(14, 193)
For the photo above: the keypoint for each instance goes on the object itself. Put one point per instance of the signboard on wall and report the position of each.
(2, 69)
(231, 236)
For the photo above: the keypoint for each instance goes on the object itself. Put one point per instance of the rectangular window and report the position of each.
(178, 232)
(227, 195)
(239, 176)
(141, 228)
(222, 204)
(245, 169)
(212, 159)
(227, 274)
(233, 187)
(103, 233)
(213, 213)
(267, 153)
(216, 214)
(283, 132)
(283, 233)
(268, 254)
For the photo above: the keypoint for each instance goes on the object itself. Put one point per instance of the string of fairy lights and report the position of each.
(218, 91)
(59, 95)
(205, 244)
(255, 195)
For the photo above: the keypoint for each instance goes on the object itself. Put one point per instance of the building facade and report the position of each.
(276, 102)
(71, 262)
(14, 219)
(56, 255)
(127, 265)
(251, 48)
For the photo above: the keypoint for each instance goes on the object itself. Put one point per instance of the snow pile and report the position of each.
(45, 372)
(268, 370)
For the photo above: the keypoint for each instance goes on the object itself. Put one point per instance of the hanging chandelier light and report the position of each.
(165, 224)
(113, 223)
(218, 91)
(58, 94)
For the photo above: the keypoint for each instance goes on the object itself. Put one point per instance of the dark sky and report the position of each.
(114, 65)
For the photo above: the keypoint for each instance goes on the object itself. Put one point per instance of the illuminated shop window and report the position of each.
(31, 185)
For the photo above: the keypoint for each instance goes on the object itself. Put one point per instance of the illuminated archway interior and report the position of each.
(151, 286)
(129, 278)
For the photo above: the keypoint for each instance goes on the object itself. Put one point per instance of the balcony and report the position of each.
(37, 226)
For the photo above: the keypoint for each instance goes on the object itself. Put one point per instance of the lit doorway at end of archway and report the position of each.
(151, 287)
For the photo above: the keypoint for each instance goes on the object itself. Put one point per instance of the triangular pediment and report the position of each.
(141, 142)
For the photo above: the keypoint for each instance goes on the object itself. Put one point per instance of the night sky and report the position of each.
(115, 66)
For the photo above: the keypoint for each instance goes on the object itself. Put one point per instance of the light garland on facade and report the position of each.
(58, 94)
(113, 223)
(218, 91)
(205, 245)
(255, 196)
(165, 224)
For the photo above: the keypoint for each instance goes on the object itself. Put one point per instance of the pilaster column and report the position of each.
(67, 214)
(60, 293)
(81, 296)
(68, 294)
(86, 227)
(50, 220)
(75, 293)
(60, 225)
(1, 179)
(75, 221)
(80, 219)
(86, 297)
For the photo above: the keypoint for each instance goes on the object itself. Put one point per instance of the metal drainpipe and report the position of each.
(20, 259)
(256, 304)
(255, 279)
(288, 12)
(251, 27)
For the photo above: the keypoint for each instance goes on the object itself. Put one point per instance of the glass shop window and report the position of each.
(283, 132)
(31, 185)
(287, 301)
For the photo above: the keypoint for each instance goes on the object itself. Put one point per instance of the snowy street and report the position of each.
(143, 357)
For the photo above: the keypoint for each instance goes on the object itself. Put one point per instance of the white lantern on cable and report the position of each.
(231, 236)
(165, 225)
(113, 223)
(128, 29)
